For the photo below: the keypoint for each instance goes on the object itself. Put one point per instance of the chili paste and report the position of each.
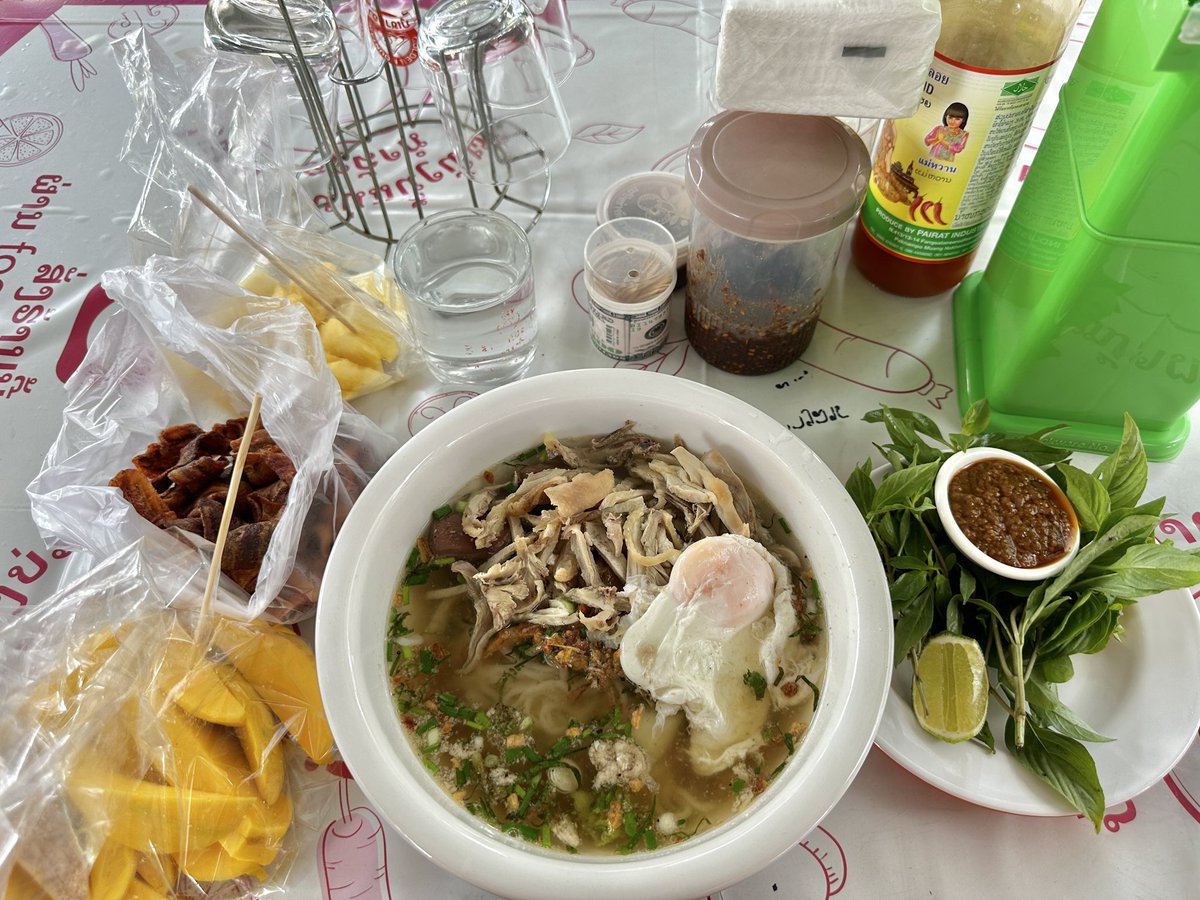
(1012, 514)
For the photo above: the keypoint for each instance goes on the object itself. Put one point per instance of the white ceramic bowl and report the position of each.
(941, 499)
(432, 467)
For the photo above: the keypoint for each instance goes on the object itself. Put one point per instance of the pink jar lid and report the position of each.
(774, 177)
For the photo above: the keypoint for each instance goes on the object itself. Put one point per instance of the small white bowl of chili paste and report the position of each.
(1006, 514)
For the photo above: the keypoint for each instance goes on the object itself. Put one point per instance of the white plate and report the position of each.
(1144, 691)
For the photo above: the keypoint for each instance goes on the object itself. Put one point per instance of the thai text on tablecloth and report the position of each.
(27, 284)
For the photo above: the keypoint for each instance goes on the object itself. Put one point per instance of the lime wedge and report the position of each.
(950, 688)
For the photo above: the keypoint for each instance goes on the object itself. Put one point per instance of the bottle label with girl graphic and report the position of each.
(938, 174)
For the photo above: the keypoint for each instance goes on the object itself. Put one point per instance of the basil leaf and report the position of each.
(926, 426)
(910, 563)
(905, 530)
(884, 528)
(903, 427)
(975, 419)
(1064, 764)
(913, 626)
(1054, 669)
(1147, 569)
(987, 605)
(954, 623)
(1073, 622)
(1088, 553)
(907, 588)
(1150, 508)
(860, 487)
(1031, 446)
(1055, 714)
(1088, 634)
(1087, 495)
(966, 583)
(899, 428)
(985, 737)
(904, 487)
(1124, 473)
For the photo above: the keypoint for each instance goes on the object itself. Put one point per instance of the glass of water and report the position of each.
(468, 277)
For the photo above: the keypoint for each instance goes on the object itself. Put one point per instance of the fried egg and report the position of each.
(726, 610)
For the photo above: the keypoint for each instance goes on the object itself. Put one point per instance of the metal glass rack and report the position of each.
(359, 135)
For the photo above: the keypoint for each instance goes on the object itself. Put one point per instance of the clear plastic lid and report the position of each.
(660, 196)
(773, 177)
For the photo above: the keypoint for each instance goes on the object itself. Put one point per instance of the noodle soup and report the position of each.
(606, 644)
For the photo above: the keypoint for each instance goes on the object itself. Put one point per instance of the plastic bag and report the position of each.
(191, 348)
(140, 755)
(212, 121)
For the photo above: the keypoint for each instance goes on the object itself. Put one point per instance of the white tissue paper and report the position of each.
(866, 58)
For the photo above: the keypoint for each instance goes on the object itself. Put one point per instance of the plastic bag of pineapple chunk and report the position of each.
(209, 123)
(357, 306)
(154, 752)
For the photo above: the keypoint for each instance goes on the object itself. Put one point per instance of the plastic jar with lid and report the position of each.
(772, 196)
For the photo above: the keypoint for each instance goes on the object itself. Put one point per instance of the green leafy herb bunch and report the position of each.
(1029, 630)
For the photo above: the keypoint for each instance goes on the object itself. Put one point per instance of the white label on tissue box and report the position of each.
(938, 174)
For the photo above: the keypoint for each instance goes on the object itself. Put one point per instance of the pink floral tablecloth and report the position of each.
(640, 87)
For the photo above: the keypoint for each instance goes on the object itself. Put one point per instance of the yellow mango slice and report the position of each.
(57, 699)
(264, 825)
(148, 816)
(112, 872)
(214, 864)
(281, 667)
(258, 737)
(340, 342)
(315, 309)
(48, 849)
(383, 287)
(195, 683)
(23, 886)
(159, 871)
(140, 890)
(259, 853)
(199, 755)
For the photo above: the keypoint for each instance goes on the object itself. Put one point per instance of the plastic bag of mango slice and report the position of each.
(152, 752)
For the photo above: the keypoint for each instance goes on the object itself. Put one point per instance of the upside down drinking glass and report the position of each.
(494, 89)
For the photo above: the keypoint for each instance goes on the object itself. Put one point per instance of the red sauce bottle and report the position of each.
(937, 175)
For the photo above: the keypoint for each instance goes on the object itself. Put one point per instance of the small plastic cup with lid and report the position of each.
(659, 196)
(629, 272)
(772, 196)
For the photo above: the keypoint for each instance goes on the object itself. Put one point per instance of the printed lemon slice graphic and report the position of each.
(950, 688)
(27, 136)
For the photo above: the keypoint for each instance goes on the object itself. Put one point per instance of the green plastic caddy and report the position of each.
(1090, 305)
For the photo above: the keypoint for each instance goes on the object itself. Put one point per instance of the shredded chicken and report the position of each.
(565, 537)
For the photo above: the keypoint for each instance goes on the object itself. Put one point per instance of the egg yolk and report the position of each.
(723, 579)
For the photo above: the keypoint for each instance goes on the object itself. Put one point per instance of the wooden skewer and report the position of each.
(274, 260)
(214, 570)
